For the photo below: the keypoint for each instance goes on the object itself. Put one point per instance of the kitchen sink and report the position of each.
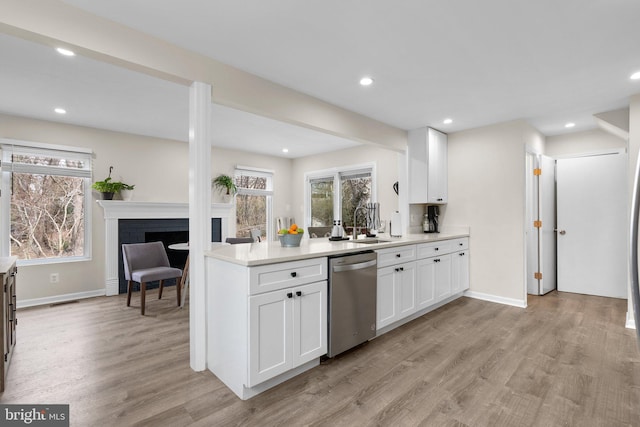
(370, 241)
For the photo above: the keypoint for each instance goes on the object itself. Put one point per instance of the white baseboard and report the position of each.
(631, 322)
(59, 298)
(497, 299)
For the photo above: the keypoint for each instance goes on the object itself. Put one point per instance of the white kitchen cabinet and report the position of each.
(427, 166)
(443, 277)
(425, 283)
(460, 271)
(287, 328)
(396, 296)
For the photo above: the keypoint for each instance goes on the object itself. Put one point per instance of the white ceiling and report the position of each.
(478, 62)
(35, 79)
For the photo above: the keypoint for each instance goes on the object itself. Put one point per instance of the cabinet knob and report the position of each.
(440, 199)
(436, 260)
(299, 293)
(294, 274)
(289, 295)
(459, 244)
(396, 269)
(398, 255)
(401, 268)
(436, 249)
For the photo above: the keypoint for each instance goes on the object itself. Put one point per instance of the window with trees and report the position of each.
(253, 202)
(355, 186)
(45, 202)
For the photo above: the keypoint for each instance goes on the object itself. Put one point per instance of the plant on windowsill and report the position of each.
(225, 185)
(109, 188)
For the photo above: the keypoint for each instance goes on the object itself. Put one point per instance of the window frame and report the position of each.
(336, 174)
(7, 168)
(268, 192)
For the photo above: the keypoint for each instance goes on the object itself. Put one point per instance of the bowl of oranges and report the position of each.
(290, 238)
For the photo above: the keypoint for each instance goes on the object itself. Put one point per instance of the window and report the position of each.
(355, 186)
(46, 194)
(253, 202)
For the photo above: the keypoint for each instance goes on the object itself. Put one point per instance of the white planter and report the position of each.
(126, 195)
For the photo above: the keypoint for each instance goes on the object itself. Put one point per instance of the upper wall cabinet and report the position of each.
(427, 154)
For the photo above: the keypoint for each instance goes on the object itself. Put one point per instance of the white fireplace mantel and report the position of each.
(119, 209)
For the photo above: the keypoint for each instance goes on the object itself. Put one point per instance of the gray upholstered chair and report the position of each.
(148, 262)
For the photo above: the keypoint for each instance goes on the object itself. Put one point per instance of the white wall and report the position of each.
(487, 193)
(634, 147)
(225, 161)
(386, 169)
(582, 142)
(159, 170)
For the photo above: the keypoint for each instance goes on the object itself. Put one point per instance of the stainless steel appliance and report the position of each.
(352, 300)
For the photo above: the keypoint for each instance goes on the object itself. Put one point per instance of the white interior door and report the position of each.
(592, 218)
(531, 231)
(547, 208)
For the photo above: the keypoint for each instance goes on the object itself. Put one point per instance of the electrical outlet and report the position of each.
(54, 278)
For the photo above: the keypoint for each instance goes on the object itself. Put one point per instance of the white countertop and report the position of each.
(251, 254)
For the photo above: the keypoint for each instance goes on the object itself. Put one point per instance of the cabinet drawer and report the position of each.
(460, 244)
(392, 256)
(272, 277)
(431, 249)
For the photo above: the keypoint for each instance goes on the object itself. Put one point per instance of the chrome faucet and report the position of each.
(355, 222)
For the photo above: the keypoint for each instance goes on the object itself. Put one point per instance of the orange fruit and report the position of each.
(293, 227)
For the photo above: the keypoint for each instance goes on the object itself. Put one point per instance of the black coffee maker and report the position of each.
(430, 223)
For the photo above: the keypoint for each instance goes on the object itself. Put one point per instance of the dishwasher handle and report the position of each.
(351, 267)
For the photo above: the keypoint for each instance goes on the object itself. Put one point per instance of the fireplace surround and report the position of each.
(116, 210)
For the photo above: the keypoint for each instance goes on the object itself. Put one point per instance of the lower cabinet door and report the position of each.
(442, 277)
(270, 335)
(396, 297)
(460, 271)
(309, 322)
(386, 305)
(426, 282)
(406, 289)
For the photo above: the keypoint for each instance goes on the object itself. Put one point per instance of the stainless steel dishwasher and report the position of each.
(352, 300)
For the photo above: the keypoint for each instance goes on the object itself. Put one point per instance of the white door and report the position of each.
(270, 335)
(443, 277)
(591, 222)
(459, 271)
(425, 283)
(310, 322)
(406, 288)
(547, 209)
(386, 306)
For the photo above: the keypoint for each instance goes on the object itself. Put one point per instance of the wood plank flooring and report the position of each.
(566, 360)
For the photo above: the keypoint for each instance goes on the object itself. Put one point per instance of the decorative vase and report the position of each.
(107, 196)
(126, 194)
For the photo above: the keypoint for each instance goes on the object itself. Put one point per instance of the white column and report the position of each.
(199, 218)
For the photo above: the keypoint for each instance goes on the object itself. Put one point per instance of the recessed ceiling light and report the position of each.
(60, 110)
(285, 150)
(447, 121)
(65, 52)
(635, 76)
(366, 81)
(569, 125)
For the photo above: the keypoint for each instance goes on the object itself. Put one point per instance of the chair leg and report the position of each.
(178, 287)
(142, 295)
(129, 286)
(161, 288)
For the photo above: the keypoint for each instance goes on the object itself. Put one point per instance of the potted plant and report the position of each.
(225, 185)
(108, 188)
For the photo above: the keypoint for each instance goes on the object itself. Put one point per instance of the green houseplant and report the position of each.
(224, 183)
(107, 187)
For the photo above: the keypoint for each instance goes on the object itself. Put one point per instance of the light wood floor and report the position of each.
(567, 360)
